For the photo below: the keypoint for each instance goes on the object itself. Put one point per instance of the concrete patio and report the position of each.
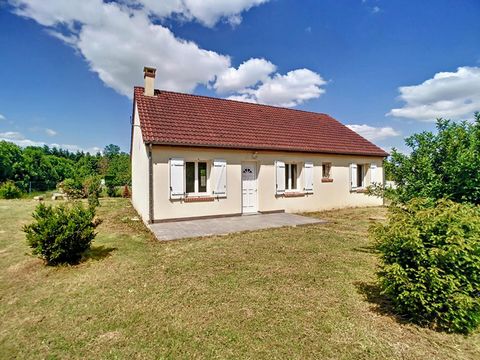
(227, 225)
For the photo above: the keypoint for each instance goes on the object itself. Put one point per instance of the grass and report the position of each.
(304, 292)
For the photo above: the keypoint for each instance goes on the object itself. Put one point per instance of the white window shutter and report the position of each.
(177, 178)
(220, 177)
(279, 177)
(373, 173)
(353, 176)
(308, 177)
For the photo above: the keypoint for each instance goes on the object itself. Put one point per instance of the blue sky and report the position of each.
(387, 68)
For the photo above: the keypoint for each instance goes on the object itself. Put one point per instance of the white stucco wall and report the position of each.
(336, 194)
(139, 158)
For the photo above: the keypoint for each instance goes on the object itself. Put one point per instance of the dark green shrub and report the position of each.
(430, 265)
(93, 201)
(111, 190)
(72, 188)
(61, 234)
(8, 190)
(92, 187)
(114, 191)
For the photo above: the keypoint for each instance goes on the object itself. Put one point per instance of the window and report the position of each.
(357, 176)
(190, 177)
(195, 177)
(360, 176)
(291, 176)
(202, 177)
(326, 170)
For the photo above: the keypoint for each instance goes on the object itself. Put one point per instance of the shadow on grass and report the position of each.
(98, 253)
(366, 249)
(381, 304)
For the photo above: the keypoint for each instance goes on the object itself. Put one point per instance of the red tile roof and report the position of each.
(171, 118)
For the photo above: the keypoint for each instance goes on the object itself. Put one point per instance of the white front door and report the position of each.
(249, 187)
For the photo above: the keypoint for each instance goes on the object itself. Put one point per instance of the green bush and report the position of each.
(72, 187)
(430, 265)
(93, 201)
(61, 234)
(8, 190)
(439, 165)
(92, 187)
(114, 191)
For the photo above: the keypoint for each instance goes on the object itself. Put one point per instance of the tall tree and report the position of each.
(441, 165)
(111, 150)
(10, 157)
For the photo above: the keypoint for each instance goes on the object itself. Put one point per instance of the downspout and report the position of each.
(150, 185)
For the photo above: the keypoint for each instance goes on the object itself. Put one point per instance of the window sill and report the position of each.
(294, 194)
(327, 180)
(199, 198)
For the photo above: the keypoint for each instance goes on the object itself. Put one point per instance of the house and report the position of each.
(196, 156)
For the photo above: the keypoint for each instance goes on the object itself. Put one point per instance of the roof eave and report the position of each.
(266, 148)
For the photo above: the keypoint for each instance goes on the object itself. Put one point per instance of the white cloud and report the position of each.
(453, 95)
(376, 9)
(207, 12)
(11, 135)
(75, 148)
(243, 98)
(52, 12)
(250, 73)
(291, 89)
(50, 132)
(374, 133)
(2, 117)
(19, 139)
(118, 38)
(118, 41)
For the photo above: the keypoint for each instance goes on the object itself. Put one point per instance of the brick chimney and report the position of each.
(149, 76)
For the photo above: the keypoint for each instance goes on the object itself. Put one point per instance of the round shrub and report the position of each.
(72, 187)
(92, 186)
(8, 190)
(430, 268)
(61, 234)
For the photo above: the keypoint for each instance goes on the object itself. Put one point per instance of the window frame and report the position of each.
(325, 164)
(360, 176)
(288, 177)
(361, 172)
(196, 184)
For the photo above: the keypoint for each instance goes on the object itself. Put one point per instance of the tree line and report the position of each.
(42, 168)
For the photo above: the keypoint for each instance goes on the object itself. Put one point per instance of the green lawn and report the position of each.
(301, 292)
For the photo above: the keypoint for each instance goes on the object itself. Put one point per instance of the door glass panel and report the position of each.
(202, 177)
(190, 177)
